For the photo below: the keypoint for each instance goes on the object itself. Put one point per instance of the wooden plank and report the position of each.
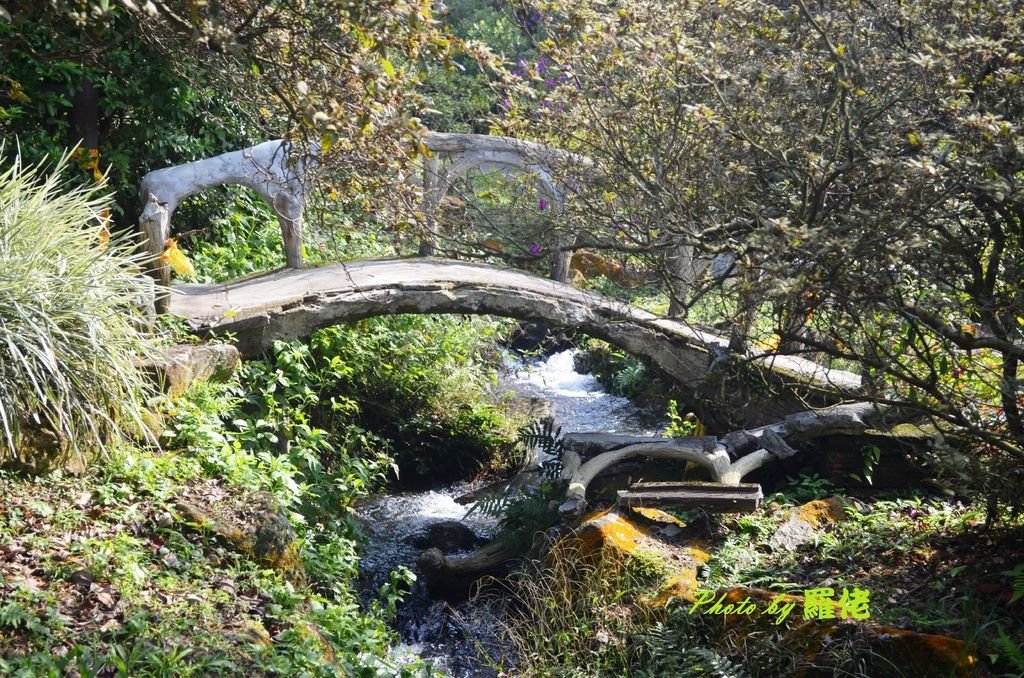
(697, 487)
(708, 496)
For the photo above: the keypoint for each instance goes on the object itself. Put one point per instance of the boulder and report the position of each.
(178, 366)
(805, 522)
(448, 536)
(261, 531)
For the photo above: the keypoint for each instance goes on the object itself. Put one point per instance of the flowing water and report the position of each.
(431, 629)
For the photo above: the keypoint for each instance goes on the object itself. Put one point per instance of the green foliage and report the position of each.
(524, 516)
(861, 163)
(621, 373)
(679, 426)
(1010, 649)
(461, 98)
(671, 649)
(568, 616)
(417, 381)
(69, 328)
(804, 488)
(534, 442)
(151, 112)
(326, 419)
(244, 241)
(870, 455)
(541, 440)
(1017, 579)
(187, 604)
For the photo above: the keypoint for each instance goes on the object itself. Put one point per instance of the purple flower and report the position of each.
(534, 247)
(549, 83)
(543, 204)
(506, 104)
(542, 64)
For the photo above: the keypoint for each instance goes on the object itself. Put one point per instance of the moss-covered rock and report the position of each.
(745, 615)
(806, 521)
(259, 529)
(176, 367)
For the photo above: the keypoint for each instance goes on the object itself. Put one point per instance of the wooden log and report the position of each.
(452, 578)
(716, 497)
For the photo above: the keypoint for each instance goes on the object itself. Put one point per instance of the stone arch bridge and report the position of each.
(745, 392)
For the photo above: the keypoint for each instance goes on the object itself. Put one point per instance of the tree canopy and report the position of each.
(861, 161)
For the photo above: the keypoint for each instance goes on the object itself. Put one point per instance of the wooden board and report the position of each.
(742, 498)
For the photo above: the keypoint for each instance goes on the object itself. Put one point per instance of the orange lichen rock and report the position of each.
(588, 265)
(804, 522)
(683, 584)
(749, 615)
(608, 534)
(656, 516)
(607, 530)
(821, 512)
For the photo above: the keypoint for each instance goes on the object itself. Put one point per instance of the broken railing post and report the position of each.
(730, 457)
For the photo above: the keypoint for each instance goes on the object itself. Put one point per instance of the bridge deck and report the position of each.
(292, 303)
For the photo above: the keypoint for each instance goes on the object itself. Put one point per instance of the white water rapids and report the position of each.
(427, 627)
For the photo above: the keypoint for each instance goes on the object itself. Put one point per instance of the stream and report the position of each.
(395, 524)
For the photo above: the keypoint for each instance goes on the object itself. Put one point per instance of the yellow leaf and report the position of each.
(176, 259)
(770, 344)
(326, 142)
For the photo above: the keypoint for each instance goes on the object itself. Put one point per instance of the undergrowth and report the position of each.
(70, 335)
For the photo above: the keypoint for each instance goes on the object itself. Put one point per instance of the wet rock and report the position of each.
(41, 449)
(533, 408)
(276, 544)
(448, 536)
(252, 632)
(81, 578)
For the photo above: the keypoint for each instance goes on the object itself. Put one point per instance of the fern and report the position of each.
(541, 437)
(1011, 650)
(537, 440)
(674, 652)
(1017, 575)
(494, 503)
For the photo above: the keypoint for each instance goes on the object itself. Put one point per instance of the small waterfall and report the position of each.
(580, 402)
(427, 627)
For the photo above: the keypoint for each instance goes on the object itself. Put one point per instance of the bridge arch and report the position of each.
(468, 152)
(278, 171)
(292, 304)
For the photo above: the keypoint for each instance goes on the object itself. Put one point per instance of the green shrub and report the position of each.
(69, 335)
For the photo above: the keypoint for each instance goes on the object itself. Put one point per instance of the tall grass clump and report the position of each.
(69, 329)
